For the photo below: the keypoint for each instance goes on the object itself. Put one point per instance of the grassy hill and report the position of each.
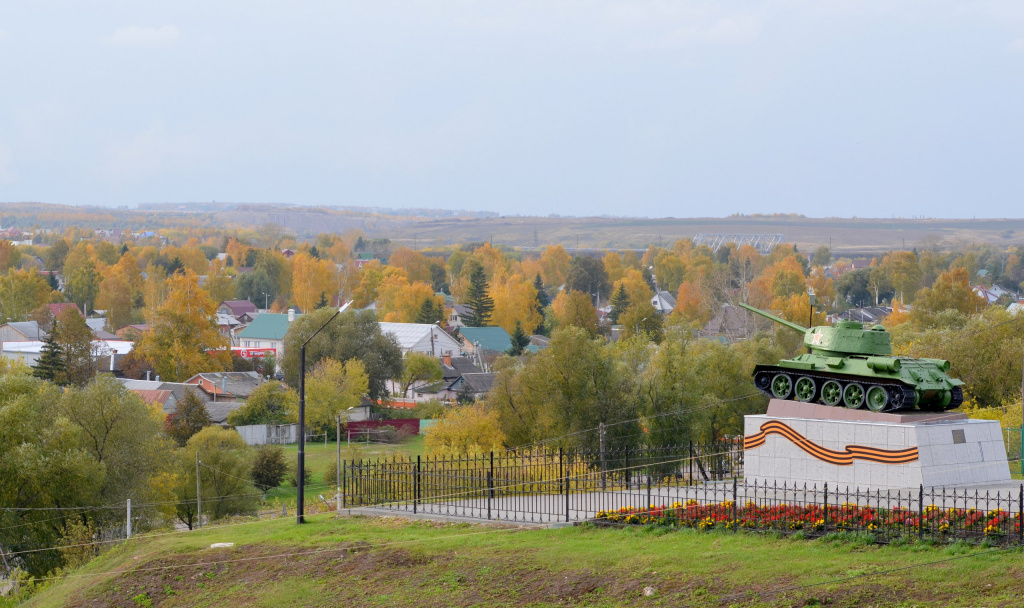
(358, 561)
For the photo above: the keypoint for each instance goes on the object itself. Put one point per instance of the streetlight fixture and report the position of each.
(810, 309)
(300, 510)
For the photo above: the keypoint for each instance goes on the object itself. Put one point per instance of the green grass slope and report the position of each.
(358, 561)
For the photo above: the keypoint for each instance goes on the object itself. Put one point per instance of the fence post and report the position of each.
(689, 481)
(603, 478)
(561, 470)
(648, 493)
(490, 485)
(825, 519)
(344, 480)
(128, 520)
(1020, 516)
(920, 511)
(734, 498)
(566, 493)
(627, 469)
(199, 500)
(416, 486)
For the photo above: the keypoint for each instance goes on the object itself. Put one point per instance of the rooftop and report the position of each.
(267, 326)
(489, 338)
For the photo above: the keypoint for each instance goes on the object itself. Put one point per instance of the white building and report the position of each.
(421, 338)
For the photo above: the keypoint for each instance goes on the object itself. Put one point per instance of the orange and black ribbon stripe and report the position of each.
(822, 453)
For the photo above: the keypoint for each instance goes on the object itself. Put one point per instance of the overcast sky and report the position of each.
(652, 108)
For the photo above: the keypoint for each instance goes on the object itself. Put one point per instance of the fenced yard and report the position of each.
(697, 486)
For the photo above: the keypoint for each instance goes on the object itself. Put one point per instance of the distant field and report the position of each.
(846, 236)
(358, 561)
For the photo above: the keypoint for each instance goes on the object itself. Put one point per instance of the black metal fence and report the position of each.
(940, 514)
(688, 486)
(532, 486)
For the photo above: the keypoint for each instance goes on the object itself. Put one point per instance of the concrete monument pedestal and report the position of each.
(798, 443)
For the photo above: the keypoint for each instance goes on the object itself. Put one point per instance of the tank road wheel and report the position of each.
(853, 395)
(877, 398)
(782, 386)
(763, 381)
(806, 389)
(831, 393)
(897, 397)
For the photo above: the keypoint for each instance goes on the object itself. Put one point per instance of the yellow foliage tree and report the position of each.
(400, 301)
(312, 281)
(613, 266)
(332, 389)
(555, 264)
(636, 287)
(515, 300)
(370, 279)
(465, 430)
(184, 339)
(576, 310)
(693, 303)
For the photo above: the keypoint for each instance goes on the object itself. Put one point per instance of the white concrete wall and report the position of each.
(981, 459)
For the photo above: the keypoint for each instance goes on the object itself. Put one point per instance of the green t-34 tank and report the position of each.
(851, 366)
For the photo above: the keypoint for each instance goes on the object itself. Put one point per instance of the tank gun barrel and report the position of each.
(791, 325)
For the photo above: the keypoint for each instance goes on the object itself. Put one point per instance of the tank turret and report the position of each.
(852, 366)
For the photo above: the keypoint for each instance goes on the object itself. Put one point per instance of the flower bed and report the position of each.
(886, 523)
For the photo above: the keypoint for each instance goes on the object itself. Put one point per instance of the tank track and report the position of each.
(901, 395)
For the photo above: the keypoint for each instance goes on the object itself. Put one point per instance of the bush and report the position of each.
(293, 478)
(268, 467)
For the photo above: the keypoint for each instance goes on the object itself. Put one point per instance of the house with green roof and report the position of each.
(267, 330)
(485, 338)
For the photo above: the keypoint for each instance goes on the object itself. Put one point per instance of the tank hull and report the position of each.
(874, 391)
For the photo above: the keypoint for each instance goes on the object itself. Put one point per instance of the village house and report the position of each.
(424, 338)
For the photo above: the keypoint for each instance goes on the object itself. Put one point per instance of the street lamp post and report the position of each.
(810, 309)
(300, 507)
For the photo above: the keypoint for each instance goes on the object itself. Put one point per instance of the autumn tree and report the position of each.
(353, 334)
(903, 273)
(311, 279)
(81, 279)
(555, 263)
(576, 309)
(224, 476)
(416, 368)
(269, 403)
(21, 292)
(120, 291)
(122, 433)
(464, 431)
(515, 303)
(332, 389)
(588, 276)
(184, 338)
(951, 291)
(188, 418)
(641, 319)
(220, 282)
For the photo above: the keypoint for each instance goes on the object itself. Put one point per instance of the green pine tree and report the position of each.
(620, 302)
(543, 301)
(50, 365)
(428, 312)
(478, 299)
(519, 341)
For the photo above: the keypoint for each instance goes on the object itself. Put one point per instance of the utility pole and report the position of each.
(603, 477)
(199, 500)
(128, 520)
(337, 479)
